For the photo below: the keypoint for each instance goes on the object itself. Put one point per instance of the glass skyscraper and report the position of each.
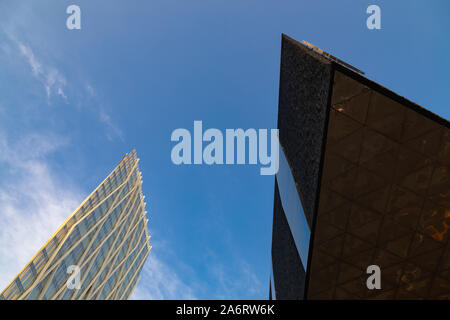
(99, 251)
(364, 180)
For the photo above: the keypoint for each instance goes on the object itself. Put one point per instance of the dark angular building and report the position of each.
(363, 180)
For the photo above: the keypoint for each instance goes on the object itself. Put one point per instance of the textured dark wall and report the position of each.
(304, 87)
(288, 272)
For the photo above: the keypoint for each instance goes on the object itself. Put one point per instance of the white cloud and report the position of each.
(33, 202)
(113, 130)
(55, 84)
(90, 90)
(61, 93)
(36, 67)
(236, 280)
(51, 78)
(159, 281)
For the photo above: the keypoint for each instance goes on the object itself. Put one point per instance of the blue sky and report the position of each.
(73, 102)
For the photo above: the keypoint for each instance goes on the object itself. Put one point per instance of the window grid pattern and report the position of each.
(384, 200)
(106, 236)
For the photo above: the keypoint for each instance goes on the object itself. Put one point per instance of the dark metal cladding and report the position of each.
(288, 271)
(304, 89)
(372, 170)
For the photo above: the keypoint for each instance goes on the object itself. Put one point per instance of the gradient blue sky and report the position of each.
(72, 103)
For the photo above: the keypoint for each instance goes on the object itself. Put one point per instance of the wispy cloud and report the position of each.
(36, 67)
(79, 93)
(113, 129)
(237, 279)
(33, 202)
(159, 281)
(51, 78)
(90, 90)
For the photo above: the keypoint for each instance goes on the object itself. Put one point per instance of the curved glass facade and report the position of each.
(106, 238)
